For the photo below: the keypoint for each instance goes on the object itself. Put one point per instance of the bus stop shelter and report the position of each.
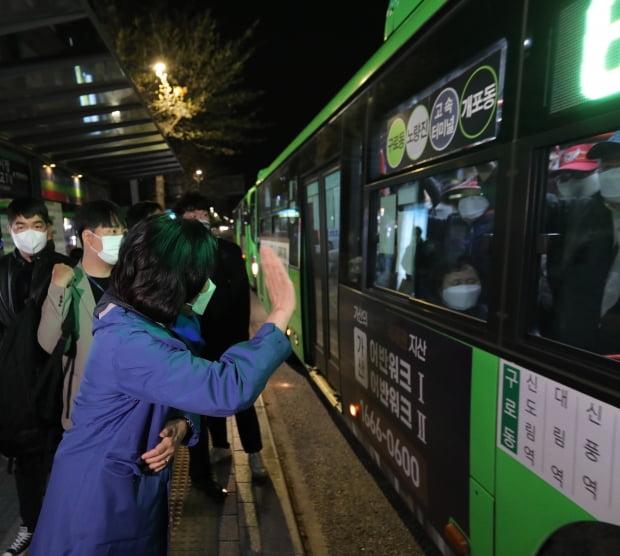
(66, 101)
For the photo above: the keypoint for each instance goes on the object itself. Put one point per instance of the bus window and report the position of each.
(579, 282)
(434, 238)
(265, 226)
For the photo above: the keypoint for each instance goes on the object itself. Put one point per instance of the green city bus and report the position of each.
(451, 223)
(245, 234)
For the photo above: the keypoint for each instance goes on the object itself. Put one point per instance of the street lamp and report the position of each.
(160, 71)
(170, 105)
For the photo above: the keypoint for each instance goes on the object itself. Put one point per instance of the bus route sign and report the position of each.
(460, 110)
(567, 438)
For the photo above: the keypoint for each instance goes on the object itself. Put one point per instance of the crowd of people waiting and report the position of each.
(157, 355)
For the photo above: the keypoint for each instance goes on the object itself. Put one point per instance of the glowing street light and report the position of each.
(160, 70)
(170, 104)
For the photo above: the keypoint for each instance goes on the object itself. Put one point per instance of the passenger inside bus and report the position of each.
(469, 229)
(573, 174)
(583, 265)
(423, 222)
(456, 284)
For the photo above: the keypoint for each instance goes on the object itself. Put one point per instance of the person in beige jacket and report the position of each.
(100, 226)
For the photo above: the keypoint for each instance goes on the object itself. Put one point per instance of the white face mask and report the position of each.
(585, 187)
(461, 297)
(111, 246)
(473, 206)
(29, 242)
(199, 306)
(610, 184)
(205, 223)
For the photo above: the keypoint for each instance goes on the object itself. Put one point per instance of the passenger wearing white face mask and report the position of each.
(457, 285)
(608, 152)
(25, 275)
(469, 230)
(583, 261)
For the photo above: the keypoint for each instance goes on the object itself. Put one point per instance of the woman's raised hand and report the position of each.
(280, 288)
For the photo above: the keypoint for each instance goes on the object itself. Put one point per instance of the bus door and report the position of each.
(323, 225)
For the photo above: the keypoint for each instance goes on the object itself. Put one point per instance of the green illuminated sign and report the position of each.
(600, 64)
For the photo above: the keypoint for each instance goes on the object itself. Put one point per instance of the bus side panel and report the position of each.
(251, 254)
(484, 406)
(261, 288)
(295, 324)
(481, 513)
(411, 386)
(523, 521)
(556, 461)
(482, 455)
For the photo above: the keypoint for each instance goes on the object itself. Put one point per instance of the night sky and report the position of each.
(305, 52)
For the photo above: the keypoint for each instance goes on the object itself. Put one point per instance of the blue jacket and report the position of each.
(100, 498)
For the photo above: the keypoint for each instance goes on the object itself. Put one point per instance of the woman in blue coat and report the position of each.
(102, 498)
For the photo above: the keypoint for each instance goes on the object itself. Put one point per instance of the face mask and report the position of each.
(30, 241)
(473, 206)
(111, 246)
(461, 297)
(206, 224)
(610, 184)
(585, 187)
(203, 299)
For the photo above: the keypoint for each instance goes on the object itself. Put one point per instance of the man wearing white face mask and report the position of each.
(583, 265)
(100, 227)
(608, 152)
(24, 277)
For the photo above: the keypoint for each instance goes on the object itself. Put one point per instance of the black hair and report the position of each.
(27, 207)
(163, 263)
(139, 211)
(100, 212)
(583, 538)
(191, 201)
(446, 266)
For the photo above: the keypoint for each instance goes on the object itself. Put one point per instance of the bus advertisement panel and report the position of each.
(412, 387)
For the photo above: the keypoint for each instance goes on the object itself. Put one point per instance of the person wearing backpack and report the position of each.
(25, 436)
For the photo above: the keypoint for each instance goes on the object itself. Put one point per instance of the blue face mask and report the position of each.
(199, 306)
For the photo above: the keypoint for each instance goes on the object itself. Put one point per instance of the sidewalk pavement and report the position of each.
(255, 518)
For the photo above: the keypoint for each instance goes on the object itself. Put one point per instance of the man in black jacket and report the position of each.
(225, 322)
(25, 275)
